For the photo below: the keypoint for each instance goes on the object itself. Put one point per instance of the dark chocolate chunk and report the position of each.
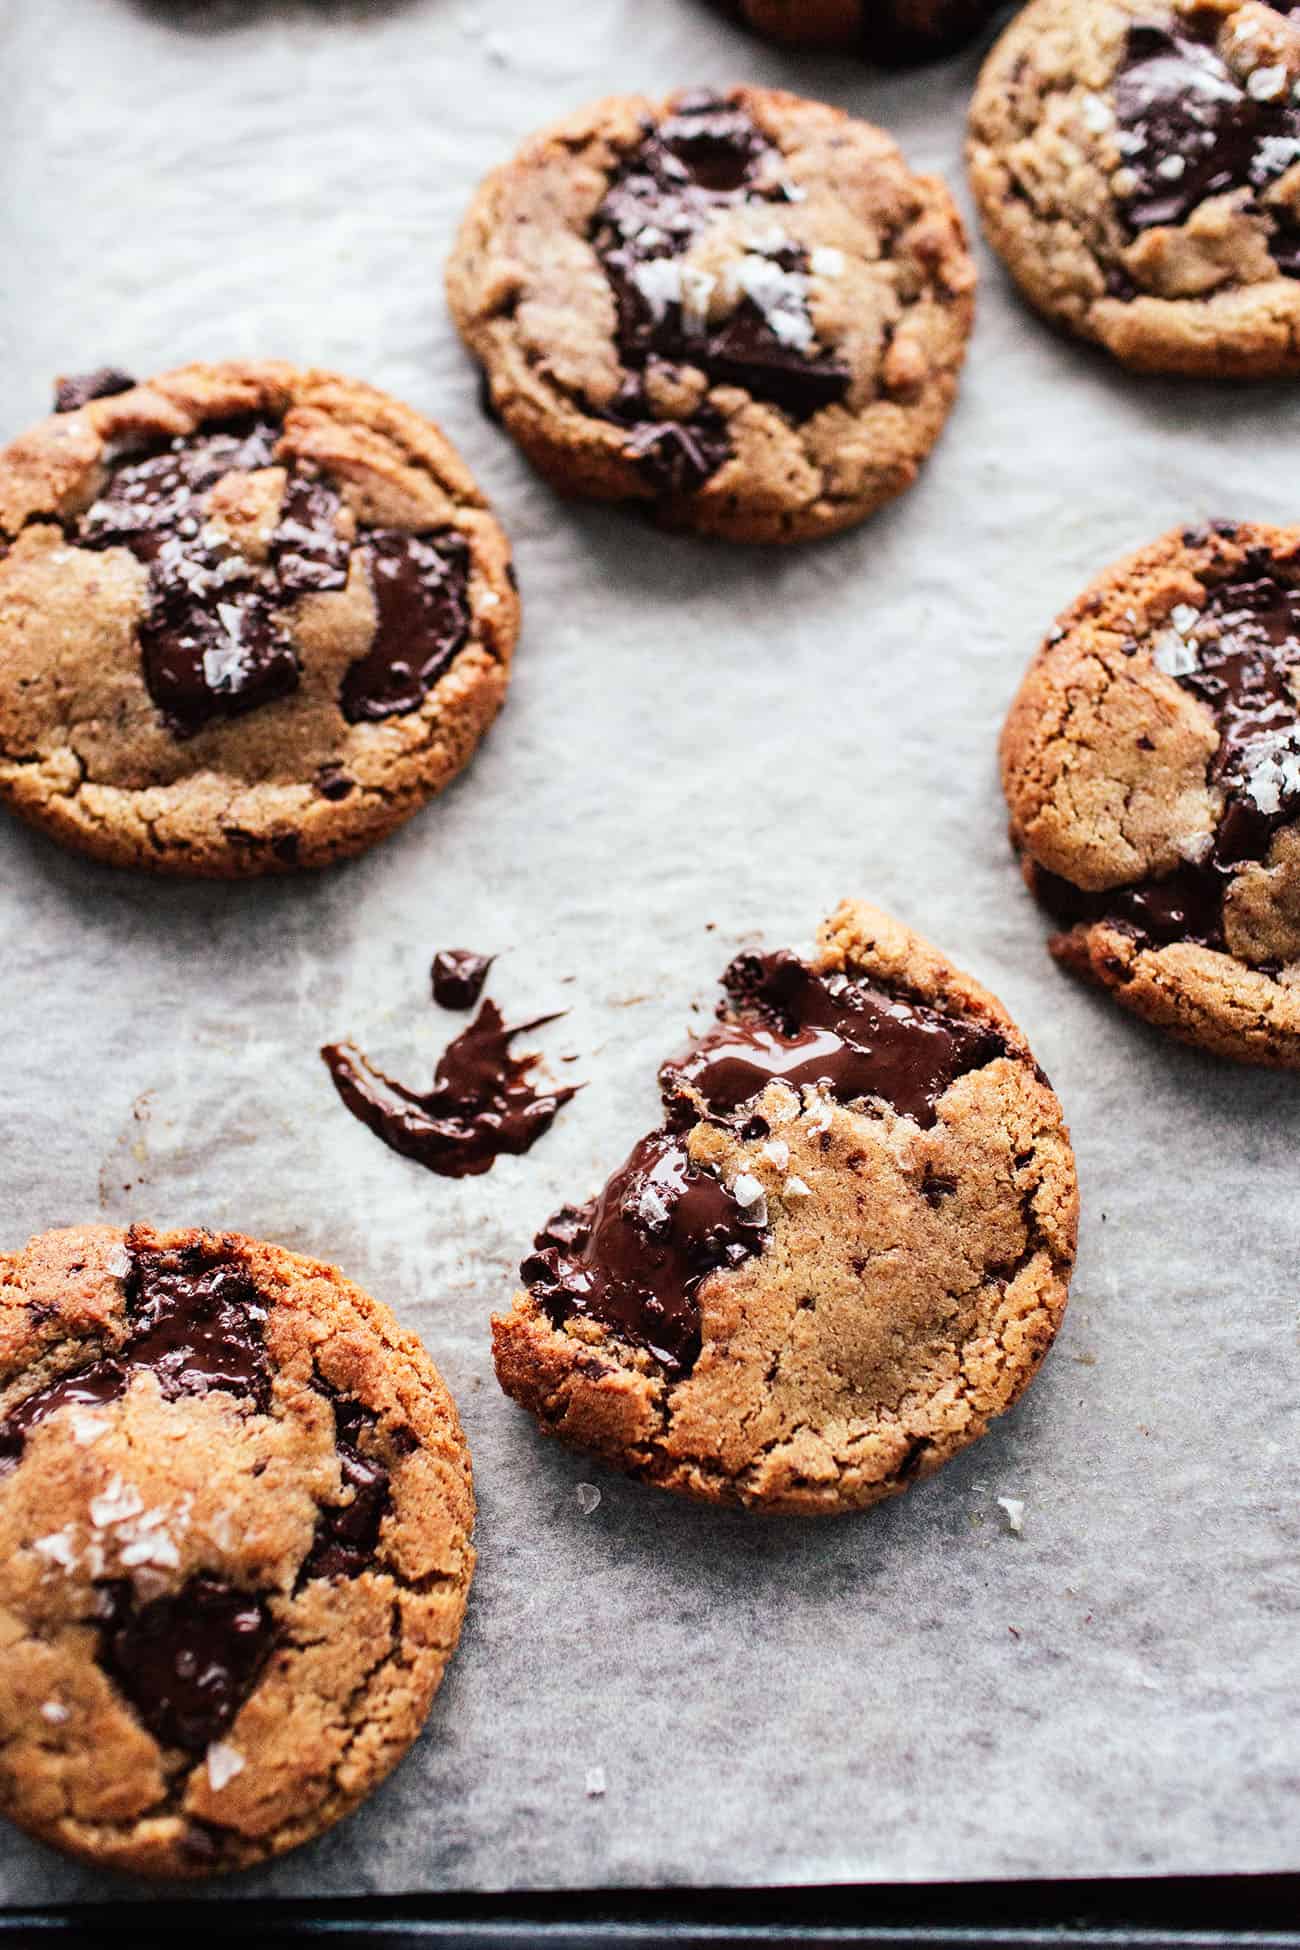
(1188, 129)
(677, 456)
(481, 1105)
(1241, 656)
(420, 585)
(196, 1323)
(332, 782)
(187, 1663)
(706, 157)
(77, 391)
(308, 552)
(347, 1534)
(212, 645)
(636, 1258)
(784, 1022)
(213, 639)
(457, 977)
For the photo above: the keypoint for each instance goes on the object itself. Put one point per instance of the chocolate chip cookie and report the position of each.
(742, 310)
(251, 618)
(1137, 165)
(235, 1513)
(844, 1251)
(1151, 762)
(893, 32)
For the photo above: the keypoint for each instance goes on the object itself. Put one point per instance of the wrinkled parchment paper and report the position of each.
(704, 747)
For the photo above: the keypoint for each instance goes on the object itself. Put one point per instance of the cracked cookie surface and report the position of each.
(846, 1250)
(1151, 762)
(235, 1519)
(894, 32)
(741, 310)
(251, 618)
(1137, 166)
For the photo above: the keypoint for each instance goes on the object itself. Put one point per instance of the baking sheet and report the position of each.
(703, 747)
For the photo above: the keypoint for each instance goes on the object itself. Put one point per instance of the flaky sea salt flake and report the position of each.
(60, 1547)
(1266, 84)
(588, 1498)
(116, 1503)
(596, 1783)
(224, 1762)
(1014, 1508)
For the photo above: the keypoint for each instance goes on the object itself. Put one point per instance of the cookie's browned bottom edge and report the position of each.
(1246, 1912)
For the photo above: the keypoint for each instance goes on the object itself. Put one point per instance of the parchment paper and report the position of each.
(704, 746)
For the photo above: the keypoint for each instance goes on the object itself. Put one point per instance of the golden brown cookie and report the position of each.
(743, 310)
(251, 618)
(895, 32)
(1137, 165)
(1151, 762)
(235, 1513)
(845, 1251)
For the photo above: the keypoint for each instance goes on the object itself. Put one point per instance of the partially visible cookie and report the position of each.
(1151, 761)
(235, 1517)
(251, 618)
(894, 32)
(845, 1251)
(1137, 165)
(743, 310)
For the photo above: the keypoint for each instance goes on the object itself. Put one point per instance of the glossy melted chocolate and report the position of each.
(422, 620)
(196, 1324)
(481, 1104)
(1188, 129)
(785, 1023)
(213, 636)
(187, 1663)
(635, 1258)
(347, 1534)
(708, 156)
(1241, 657)
(457, 977)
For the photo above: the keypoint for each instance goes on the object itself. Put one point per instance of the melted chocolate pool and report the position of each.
(196, 1324)
(705, 158)
(213, 635)
(481, 1105)
(1188, 129)
(786, 1023)
(187, 1663)
(635, 1258)
(1241, 655)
